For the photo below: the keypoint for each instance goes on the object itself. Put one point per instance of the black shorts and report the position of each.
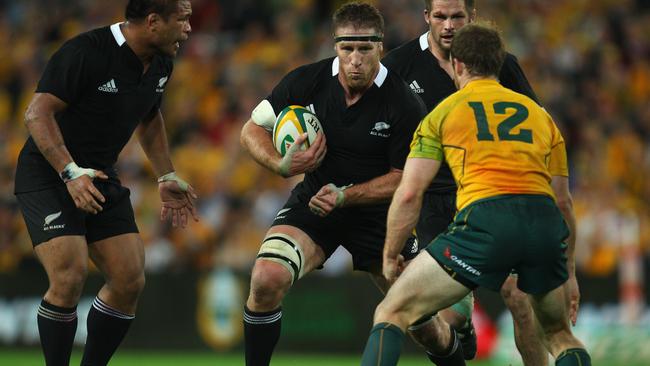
(51, 213)
(360, 230)
(438, 210)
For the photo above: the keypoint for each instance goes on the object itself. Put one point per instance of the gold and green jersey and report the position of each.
(494, 140)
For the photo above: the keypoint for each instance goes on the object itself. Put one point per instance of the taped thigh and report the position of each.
(284, 250)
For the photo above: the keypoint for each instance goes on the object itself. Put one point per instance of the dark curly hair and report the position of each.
(139, 9)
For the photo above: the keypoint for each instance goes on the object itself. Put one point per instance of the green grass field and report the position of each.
(148, 358)
(32, 357)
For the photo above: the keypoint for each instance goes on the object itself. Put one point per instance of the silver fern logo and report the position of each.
(380, 129)
(281, 213)
(161, 84)
(49, 219)
(52, 217)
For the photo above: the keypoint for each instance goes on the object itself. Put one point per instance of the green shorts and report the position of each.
(491, 237)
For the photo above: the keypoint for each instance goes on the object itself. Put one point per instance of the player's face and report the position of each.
(175, 30)
(445, 19)
(358, 61)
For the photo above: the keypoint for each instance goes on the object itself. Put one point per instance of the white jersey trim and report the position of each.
(117, 34)
(379, 79)
(424, 41)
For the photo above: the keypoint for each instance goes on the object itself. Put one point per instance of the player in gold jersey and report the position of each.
(509, 162)
(507, 150)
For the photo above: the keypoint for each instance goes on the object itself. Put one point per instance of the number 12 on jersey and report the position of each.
(504, 128)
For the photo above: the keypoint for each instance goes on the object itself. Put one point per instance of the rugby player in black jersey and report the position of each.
(96, 91)
(368, 115)
(425, 65)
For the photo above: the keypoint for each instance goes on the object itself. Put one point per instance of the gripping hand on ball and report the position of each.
(297, 161)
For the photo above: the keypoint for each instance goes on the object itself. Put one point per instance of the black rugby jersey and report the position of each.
(102, 82)
(364, 140)
(414, 62)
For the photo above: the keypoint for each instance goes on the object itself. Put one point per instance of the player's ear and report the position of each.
(459, 66)
(152, 20)
(472, 16)
(426, 16)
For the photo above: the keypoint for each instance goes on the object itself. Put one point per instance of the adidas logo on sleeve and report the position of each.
(108, 87)
(416, 87)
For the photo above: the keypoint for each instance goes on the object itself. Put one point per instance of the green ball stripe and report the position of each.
(283, 147)
(300, 114)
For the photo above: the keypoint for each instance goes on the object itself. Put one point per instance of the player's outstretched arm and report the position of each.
(43, 128)
(560, 186)
(176, 195)
(257, 141)
(404, 211)
(153, 139)
(376, 190)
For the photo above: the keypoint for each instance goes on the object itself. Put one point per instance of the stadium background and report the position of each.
(588, 61)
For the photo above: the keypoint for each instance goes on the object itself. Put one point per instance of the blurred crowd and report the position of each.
(588, 61)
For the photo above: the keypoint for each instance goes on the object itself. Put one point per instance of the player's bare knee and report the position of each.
(134, 286)
(270, 281)
(382, 313)
(389, 312)
(66, 284)
(127, 286)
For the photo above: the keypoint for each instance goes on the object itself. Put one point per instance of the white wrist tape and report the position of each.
(340, 193)
(173, 177)
(72, 171)
(285, 163)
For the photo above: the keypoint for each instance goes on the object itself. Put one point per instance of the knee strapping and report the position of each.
(465, 306)
(282, 249)
(422, 322)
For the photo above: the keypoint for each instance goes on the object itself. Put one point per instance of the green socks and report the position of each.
(573, 357)
(384, 345)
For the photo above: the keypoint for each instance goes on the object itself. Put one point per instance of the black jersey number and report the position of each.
(504, 128)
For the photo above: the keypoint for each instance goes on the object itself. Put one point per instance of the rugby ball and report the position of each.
(292, 122)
